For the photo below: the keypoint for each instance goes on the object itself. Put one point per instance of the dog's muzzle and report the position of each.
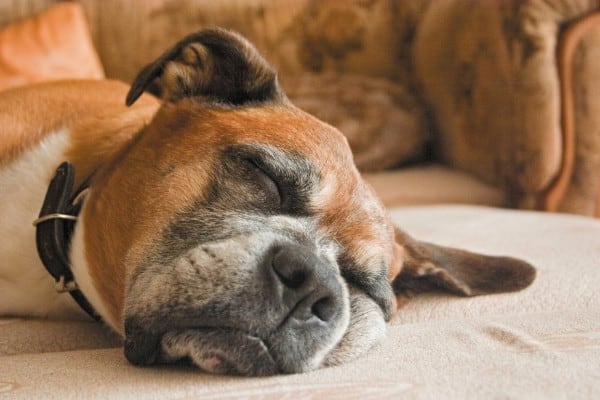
(284, 318)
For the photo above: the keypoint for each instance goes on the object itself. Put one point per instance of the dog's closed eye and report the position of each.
(265, 181)
(274, 181)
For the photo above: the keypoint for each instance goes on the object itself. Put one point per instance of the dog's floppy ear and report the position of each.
(429, 267)
(215, 64)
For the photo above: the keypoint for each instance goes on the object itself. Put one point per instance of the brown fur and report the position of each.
(43, 108)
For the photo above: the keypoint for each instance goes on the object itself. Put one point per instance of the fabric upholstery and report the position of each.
(329, 52)
(488, 70)
(309, 42)
(55, 44)
(578, 188)
(384, 124)
(543, 342)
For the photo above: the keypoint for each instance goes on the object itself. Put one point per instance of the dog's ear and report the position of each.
(431, 267)
(216, 64)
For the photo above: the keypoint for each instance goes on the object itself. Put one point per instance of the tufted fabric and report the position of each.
(385, 125)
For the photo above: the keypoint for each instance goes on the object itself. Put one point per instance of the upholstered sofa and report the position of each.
(487, 104)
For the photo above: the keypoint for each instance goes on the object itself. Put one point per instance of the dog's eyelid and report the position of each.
(269, 183)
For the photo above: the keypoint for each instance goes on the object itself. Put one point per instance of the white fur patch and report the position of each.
(80, 268)
(25, 287)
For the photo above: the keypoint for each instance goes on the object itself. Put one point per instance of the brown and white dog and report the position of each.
(221, 224)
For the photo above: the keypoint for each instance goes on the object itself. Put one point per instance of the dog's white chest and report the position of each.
(25, 286)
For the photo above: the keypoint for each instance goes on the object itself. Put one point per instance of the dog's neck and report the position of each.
(26, 287)
(63, 128)
(89, 245)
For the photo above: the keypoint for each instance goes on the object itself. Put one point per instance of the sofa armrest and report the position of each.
(488, 72)
(576, 188)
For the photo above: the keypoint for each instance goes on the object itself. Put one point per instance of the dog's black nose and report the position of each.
(309, 285)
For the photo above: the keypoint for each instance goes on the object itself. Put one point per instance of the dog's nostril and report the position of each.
(324, 308)
(293, 269)
(293, 280)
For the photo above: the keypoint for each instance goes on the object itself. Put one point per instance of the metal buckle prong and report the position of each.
(80, 197)
(62, 286)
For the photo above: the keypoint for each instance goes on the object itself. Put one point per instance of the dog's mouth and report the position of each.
(225, 350)
(296, 346)
(214, 350)
(220, 351)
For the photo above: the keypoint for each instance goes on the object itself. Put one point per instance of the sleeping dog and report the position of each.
(215, 223)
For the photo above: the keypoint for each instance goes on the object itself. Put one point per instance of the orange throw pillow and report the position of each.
(55, 44)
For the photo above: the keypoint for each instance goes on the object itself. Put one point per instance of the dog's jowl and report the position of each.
(209, 221)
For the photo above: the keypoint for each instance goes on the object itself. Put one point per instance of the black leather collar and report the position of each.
(54, 229)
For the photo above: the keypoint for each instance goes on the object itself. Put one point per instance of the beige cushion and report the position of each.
(432, 184)
(543, 342)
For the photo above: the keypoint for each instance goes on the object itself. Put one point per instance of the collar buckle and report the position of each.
(54, 228)
(64, 286)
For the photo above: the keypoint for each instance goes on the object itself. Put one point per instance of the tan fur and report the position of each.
(39, 109)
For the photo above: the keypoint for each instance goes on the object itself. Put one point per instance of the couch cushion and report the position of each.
(489, 73)
(384, 123)
(432, 184)
(543, 342)
(55, 44)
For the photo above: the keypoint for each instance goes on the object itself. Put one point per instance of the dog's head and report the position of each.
(235, 230)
